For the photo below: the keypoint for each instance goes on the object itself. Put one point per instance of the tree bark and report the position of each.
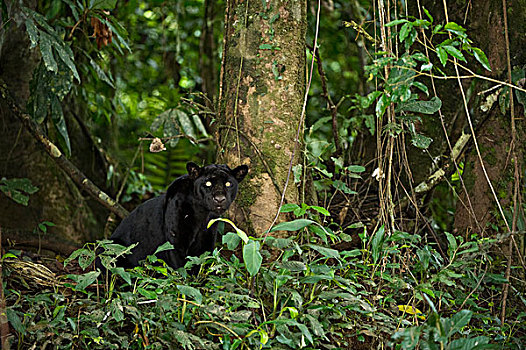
(261, 97)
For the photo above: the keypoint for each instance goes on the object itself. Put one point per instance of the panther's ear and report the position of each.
(193, 170)
(240, 172)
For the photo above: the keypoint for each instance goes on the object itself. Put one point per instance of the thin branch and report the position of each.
(516, 169)
(332, 107)
(69, 168)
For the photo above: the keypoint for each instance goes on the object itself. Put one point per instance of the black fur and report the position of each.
(181, 215)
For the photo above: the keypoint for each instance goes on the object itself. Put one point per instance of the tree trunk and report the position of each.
(261, 97)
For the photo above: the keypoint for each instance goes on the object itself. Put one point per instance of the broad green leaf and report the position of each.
(102, 4)
(366, 101)
(288, 207)
(166, 246)
(396, 22)
(199, 124)
(418, 106)
(481, 57)
(265, 47)
(66, 55)
(18, 189)
(442, 55)
(405, 30)
(326, 252)
(252, 257)
(421, 141)
(14, 320)
(377, 243)
(59, 122)
(356, 168)
(100, 73)
(453, 51)
(320, 210)
(294, 225)
(428, 14)
(294, 266)
(32, 31)
(459, 320)
(191, 292)
(239, 232)
(117, 311)
(150, 294)
(47, 54)
(86, 279)
(381, 105)
(231, 240)
(342, 186)
(454, 28)
(126, 276)
(186, 124)
(421, 87)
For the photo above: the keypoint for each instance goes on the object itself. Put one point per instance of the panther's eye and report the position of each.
(228, 184)
(208, 184)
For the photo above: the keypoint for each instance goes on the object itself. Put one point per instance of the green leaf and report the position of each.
(418, 106)
(14, 320)
(459, 320)
(117, 311)
(252, 257)
(100, 73)
(265, 47)
(421, 87)
(191, 292)
(125, 275)
(102, 4)
(47, 54)
(18, 189)
(396, 22)
(320, 210)
(356, 168)
(150, 294)
(85, 280)
(381, 105)
(453, 51)
(428, 14)
(377, 243)
(231, 240)
(166, 246)
(294, 225)
(288, 207)
(405, 30)
(60, 123)
(454, 28)
(32, 31)
(342, 186)
(326, 252)
(239, 232)
(294, 266)
(66, 55)
(481, 57)
(421, 141)
(442, 55)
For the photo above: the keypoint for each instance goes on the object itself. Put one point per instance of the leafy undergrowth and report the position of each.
(394, 292)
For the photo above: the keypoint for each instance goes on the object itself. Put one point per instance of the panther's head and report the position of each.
(215, 186)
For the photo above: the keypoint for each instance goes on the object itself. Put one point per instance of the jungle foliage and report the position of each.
(341, 274)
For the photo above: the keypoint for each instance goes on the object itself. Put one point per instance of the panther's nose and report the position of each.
(219, 198)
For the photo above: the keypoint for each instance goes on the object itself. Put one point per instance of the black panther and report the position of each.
(180, 216)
